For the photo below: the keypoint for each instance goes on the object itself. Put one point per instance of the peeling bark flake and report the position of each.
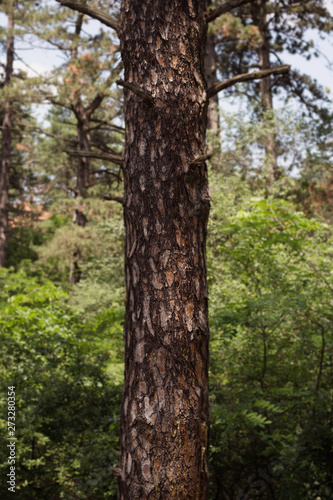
(139, 352)
(149, 411)
(158, 227)
(157, 281)
(165, 258)
(189, 309)
(142, 388)
(146, 471)
(145, 225)
(129, 463)
(164, 318)
(169, 277)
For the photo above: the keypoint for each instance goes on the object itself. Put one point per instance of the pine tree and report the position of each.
(87, 101)
(165, 411)
(256, 36)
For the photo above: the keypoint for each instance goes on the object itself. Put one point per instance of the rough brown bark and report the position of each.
(165, 414)
(266, 88)
(6, 144)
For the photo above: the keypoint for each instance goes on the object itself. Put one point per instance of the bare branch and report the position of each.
(245, 77)
(108, 172)
(108, 197)
(226, 6)
(48, 134)
(117, 159)
(148, 99)
(108, 126)
(94, 13)
(199, 160)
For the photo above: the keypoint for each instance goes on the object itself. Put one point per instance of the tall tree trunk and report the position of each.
(82, 182)
(213, 119)
(266, 89)
(83, 167)
(6, 143)
(82, 175)
(165, 412)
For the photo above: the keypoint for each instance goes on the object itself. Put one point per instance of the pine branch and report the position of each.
(226, 6)
(94, 154)
(245, 77)
(94, 13)
(95, 103)
(48, 134)
(57, 103)
(107, 125)
(103, 148)
(108, 172)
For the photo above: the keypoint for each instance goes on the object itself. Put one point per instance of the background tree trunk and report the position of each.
(165, 413)
(84, 140)
(83, 163)
(213, 119)
(82, 176)
(266, 89)
(6, 143)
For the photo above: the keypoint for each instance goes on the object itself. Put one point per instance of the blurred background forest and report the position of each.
(270, 252)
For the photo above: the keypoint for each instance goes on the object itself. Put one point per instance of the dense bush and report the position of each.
(66, 377)
(271, 284)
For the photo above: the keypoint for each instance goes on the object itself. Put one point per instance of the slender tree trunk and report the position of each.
(6, 144)
(213, 119)
(83, 167)
(82, 182)
(165, 413)
(266, 89)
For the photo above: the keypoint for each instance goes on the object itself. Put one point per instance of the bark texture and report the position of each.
(6, 144)
(165, 414)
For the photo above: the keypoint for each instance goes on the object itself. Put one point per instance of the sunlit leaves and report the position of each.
(270, 276)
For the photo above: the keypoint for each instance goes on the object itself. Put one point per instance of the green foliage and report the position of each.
(100, 245)
(289, 28)
(270, 276)
(102, 286)
(66, 377)
(243, 147)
